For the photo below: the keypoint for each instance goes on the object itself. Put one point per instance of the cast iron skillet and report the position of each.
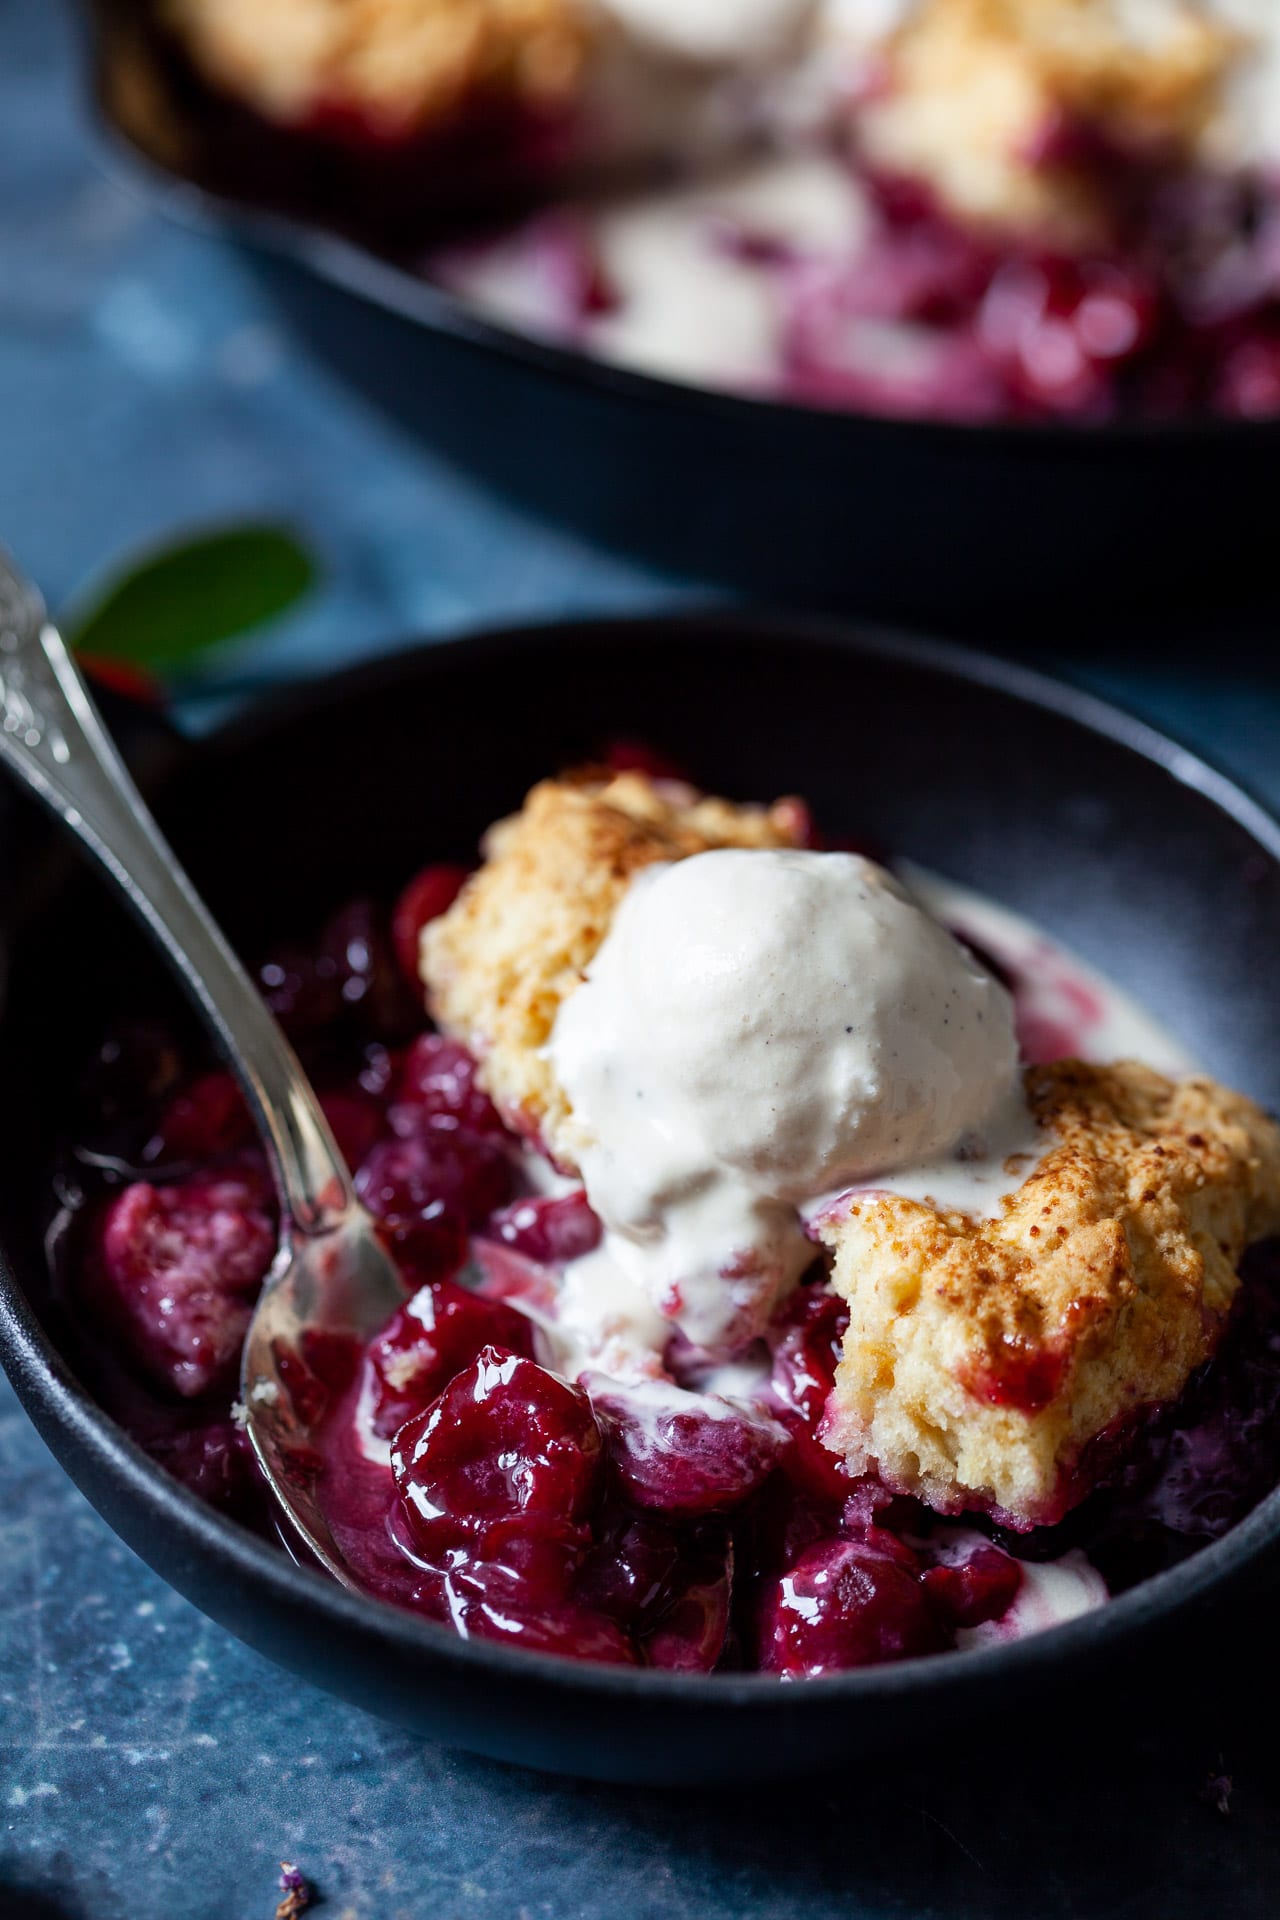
(796, 503)
(1149, 863)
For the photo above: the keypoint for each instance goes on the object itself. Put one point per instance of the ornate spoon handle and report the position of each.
(51, 735)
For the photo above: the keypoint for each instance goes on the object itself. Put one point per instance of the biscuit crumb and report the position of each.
(297, 1891)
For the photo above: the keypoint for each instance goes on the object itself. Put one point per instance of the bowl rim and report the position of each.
(343, 262)
(54, 1397)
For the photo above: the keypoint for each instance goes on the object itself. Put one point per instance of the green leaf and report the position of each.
(181, 599)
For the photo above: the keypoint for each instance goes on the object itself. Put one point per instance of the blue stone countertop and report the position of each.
(154, 1767)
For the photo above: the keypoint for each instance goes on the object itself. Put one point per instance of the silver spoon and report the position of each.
(330, 1271)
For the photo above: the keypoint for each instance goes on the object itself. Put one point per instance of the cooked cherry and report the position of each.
(967, 1592)
(686, 1453)
(302, 990)
(550, 1230)
(571, 1630)
(506, 1440)
(356, 1124)
(215, 1462)
(525, 1572)
(924, 271)
(379, 1066)
(467, 1171)
(631, 1570)
(357, 944)
(1060, 327)
(811, 1466)
(690, 1636)
(332, 1354)
(844, 1604)
(427, 1246)
(207, 1119)
(837, 320)
(806, 1337)
(426, 1342)
(181, 1267)
(438, 1079)
(311, 1399)
(428, 895)
(882, 1540)
(783, 1522)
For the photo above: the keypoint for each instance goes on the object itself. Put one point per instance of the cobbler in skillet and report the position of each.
(958, 209)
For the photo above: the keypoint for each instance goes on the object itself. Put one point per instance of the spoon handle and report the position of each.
(51, 735)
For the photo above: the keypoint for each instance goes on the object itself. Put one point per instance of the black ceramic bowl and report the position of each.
(1151, 865)
(796, 503)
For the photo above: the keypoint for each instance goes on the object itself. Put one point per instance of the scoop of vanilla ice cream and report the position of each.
(758, 1029)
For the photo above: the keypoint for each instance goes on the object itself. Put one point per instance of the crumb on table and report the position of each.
(296, 1890)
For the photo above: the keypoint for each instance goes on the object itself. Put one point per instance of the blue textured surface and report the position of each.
(152, 1766)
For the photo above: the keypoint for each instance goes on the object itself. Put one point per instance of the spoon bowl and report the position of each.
(342, 1284)
(331, 1275)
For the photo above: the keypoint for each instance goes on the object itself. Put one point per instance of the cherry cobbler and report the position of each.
(792, 1281)
(968, 209)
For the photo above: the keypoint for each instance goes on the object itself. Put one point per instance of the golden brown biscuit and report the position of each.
(402, 65)
(988, 1362)
(528, 924)
(973, 90)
